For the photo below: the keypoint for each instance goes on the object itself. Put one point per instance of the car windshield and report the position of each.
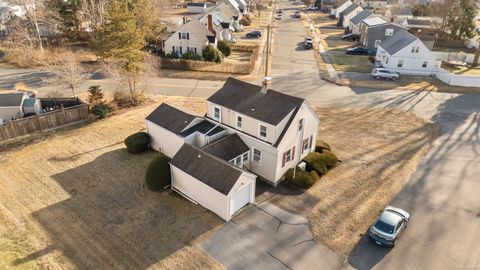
(384, 227)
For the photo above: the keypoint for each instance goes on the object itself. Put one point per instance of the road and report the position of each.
(442, 196)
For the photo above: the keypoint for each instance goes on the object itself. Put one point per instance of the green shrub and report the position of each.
(157, 175)
(172, 55)
(315, 162)
(124, 100)
(245, 21)
(330, 158)
(302, 179)
(100, 110)
(211, 54)
(224, 48)
(321, 145)
(137, 142)
(192, 56)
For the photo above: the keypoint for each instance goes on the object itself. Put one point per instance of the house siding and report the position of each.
(7, 113)
(197, 38)
(198, 191)
(163, 140)
(348, 17)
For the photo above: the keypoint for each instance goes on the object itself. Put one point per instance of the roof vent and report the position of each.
(265, 84)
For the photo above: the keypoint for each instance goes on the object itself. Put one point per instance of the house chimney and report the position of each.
(265, 84)
(210, 24)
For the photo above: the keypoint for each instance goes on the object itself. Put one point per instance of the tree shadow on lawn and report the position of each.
(112, 221)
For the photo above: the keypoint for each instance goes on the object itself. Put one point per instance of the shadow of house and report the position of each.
(112, 222)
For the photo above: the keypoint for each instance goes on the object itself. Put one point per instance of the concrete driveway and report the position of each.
(269, 238)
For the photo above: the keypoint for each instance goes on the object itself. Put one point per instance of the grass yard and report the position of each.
(379, 149)
(350, 63)
(466, 71)
(77, 200)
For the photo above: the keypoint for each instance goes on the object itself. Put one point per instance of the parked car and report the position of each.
(308, 43)
(254, 34)
(279, 16)
(298, 14)
(389, 225)
(350, 37)
(357, 51)
(279, 11)
(378, 73)
(313, 8)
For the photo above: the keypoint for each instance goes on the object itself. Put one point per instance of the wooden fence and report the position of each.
(241, 68)
(44, 121)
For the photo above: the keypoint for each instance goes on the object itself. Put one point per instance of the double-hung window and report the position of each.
(301, 124)
(239, 122)
(217, 114)
(288, 156)
(257, 155)
(263, 131)
(306, 144)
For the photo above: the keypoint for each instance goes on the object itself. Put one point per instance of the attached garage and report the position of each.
(211, 182)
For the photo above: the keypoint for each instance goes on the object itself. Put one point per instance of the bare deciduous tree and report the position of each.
(93, 12)
(68, 72)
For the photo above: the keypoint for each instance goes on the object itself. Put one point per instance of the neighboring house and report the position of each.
(398, 14)
(374, 31)
(348, 14)
(191, 36)
(406, 54)
(18, 105)
(225, 19)
(374, 4)
(196, 7)
(339, 7)
(354, 25)
(246, 128)
(418, 23)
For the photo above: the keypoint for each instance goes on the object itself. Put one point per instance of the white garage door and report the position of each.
(240, 198)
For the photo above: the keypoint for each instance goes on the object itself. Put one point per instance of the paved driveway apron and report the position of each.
(269, 238)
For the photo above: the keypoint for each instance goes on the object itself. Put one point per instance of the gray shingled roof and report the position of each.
(350, 9)
(11, 99)
(170, 118)
(270, 107)
(419, 22)
(227, 148)
(398, 41)
(214, 172)
(196, 4)
(338, 3)
(360, 16)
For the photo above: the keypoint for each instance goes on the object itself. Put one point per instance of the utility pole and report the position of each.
(267, 50)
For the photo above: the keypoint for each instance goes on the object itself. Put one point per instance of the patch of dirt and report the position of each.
(77, 200)
(379, 149)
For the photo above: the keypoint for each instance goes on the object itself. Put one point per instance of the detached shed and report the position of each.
(215, 184)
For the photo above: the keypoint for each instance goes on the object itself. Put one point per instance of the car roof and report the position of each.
(390, 217)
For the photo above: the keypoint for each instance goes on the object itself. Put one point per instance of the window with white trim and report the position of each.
(306, 145)
(301, 123)
(263, 131)
(288, 156)
(239, 122)
(245, 157)
(257, 155)
(217, 114)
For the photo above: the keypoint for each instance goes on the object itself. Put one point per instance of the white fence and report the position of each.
(457, 80)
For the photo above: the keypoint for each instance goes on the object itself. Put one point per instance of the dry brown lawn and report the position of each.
(379, 149)
(76, 199)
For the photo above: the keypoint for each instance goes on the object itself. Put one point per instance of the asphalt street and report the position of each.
(442, 196)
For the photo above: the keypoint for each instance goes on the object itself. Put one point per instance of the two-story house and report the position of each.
(192, 36)
(346, 15)
(255, 130)
(375, 30)
(354, 24)
(406, 54)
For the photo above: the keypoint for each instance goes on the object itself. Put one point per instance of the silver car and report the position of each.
(389, 225)
(378, 73)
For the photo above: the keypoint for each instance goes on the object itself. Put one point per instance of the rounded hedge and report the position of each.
(321, 145)
(137, 142)
(224, 48)
(330, 158)
(157, 175)
(302, 179)
(316, 162)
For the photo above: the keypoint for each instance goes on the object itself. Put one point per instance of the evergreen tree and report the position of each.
(68, 11)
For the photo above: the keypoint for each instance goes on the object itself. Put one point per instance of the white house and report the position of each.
(17, 105)
(398, 13)
(191, 36)
(354, 24)
(211, 182)
(246, 127)
(341, 6)
(349, 13)
(196, 7)
(406, 54)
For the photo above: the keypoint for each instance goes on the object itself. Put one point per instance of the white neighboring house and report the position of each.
(349, 13)
(336, 11)
(354, 24)
(17, 105)
(197, 7)
(398, 13)
(246, 128)
(192, 36)
(406, 54)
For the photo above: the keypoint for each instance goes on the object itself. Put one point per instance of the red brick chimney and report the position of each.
(210, 24)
